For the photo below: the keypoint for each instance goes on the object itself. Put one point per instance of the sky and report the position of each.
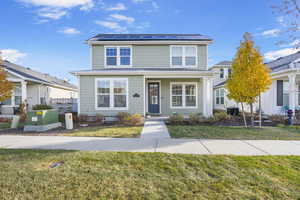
(49, 35)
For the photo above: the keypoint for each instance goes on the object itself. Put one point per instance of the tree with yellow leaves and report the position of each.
(6, 86)
(250, 76)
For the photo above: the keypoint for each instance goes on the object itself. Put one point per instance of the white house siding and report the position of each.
(61, 93)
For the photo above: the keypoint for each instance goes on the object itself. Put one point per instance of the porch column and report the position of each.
(292, 92)
(24, 90)
(207, 97)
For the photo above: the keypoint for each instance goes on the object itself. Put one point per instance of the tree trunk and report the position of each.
(252, 115)
(244, 117)
(260, 117)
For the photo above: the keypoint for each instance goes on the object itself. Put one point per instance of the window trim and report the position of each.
(218, 95)
(184, 95)
(111, 94)
(118, 56)
(13, 99)
(183, 56)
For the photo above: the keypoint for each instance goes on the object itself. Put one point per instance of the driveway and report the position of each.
(167, 145)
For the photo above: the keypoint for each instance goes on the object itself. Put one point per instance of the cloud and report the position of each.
(271, 33)
(272, 55)
(55, 9)
(12, 55)
(114, 26)
(51, 13)
(61, 3)
(119, 17)
(295, 43)
(117, 7)
(69, 31)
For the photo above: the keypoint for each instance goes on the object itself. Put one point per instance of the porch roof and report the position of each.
(146, 71)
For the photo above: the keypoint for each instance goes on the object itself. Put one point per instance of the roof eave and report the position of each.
(144, 73)
(206, 42)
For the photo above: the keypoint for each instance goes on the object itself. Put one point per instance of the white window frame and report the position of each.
(12, 98)
(218, 95)
(183, 55)
(118, 56)
(184, 95)
(111, 94)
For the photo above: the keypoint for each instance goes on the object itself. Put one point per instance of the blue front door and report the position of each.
(153, 97)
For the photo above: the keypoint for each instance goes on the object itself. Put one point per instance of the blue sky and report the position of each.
(48, 35)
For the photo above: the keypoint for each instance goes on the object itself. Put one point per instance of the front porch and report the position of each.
(167, 95)
(19, 95)
(285, 93)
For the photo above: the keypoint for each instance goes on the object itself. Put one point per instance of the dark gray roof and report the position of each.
(149, 37)
(283, 62)
(224, 62)
(36, 76)
(220, 84)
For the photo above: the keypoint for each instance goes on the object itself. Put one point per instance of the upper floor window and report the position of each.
(184, 56)
(229, 73)
(221, 73)
(118, 56)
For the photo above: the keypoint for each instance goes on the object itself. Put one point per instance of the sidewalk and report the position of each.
(185, 146)
(155, 129)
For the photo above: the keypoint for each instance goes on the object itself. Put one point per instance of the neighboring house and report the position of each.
(284, 91)
(222, 71)
(33, 87)
(147, 74)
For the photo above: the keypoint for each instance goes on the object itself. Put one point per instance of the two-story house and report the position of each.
(147, 74)
(221, 101)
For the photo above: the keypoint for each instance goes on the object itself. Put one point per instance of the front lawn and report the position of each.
(221, 132)
(25, 174)
(108, 131)
(4, 125)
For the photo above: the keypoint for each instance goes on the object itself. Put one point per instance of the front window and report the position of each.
(111, 93)
(16, 98)
(183, 55)
(118, 56)
(285, 93)
(220, 96)
(183, 95)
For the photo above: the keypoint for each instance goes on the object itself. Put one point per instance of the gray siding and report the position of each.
(165, 97)
(147, 56)
(87, 95)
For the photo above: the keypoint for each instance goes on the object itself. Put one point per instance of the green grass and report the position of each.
(108, 131)
(219, 132)
(4, 125)
(25, 174)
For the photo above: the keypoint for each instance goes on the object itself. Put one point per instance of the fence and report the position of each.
(64, 105)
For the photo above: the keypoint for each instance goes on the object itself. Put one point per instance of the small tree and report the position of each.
(6, 86)
(250, 77)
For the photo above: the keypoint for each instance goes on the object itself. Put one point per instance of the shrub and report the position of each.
(99, 118)
(133, 120)
(280, 119)
(83, 118)
(22, 112)
(195, 118)
(176, 119)
(221, 116)
(122, 116)
(41, 107)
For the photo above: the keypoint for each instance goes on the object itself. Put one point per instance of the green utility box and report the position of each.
(41, 120)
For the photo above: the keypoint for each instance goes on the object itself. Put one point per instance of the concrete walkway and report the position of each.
(186, 146)
(155, 129)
